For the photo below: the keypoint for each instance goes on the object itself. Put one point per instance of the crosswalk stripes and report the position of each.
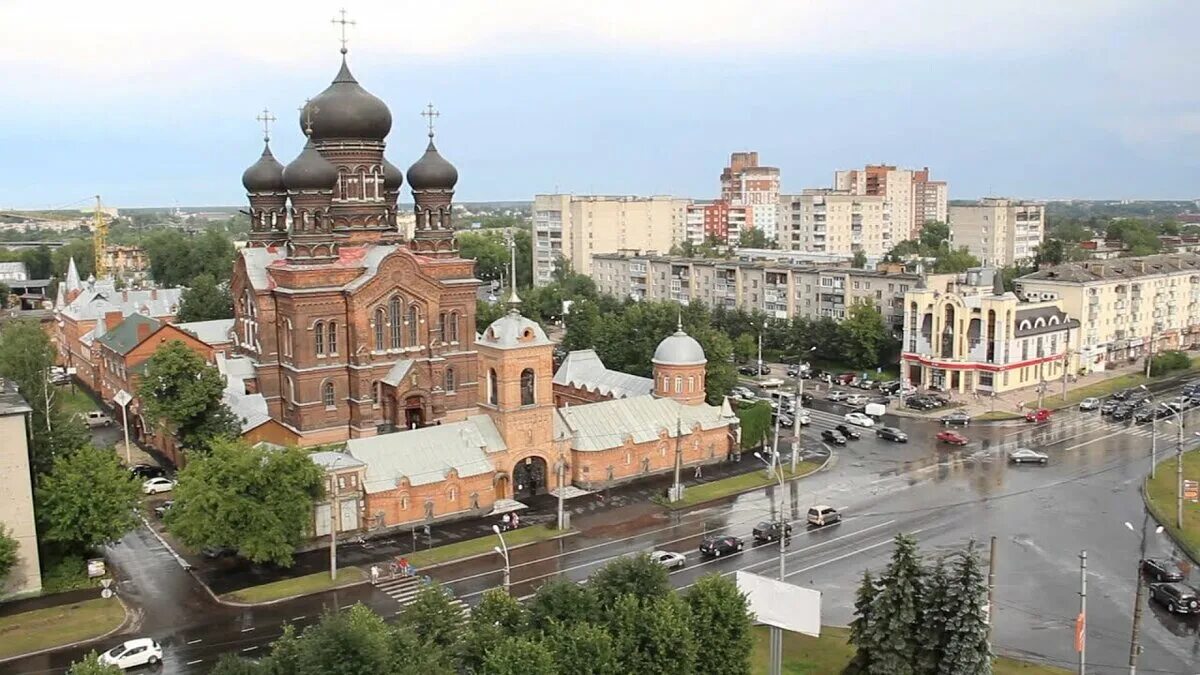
(404, 590)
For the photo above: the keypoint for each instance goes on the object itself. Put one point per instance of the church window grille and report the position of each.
(333, 337)
(327, 395)
(319, 338)
(414, 316)
(380, 320)
(527, 387)
(394, 319)
(450, 383)
(493, 387)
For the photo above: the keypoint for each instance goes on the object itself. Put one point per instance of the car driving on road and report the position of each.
(856, 399)
(830, 437)
(1177, 598)
(958, 418)
(1039, 415)
(1161, 569)
(669, 559)
(836, 395)
(891, 434)
(133, 653)
(713, 547)
(822, 515)
(952, 437)
(1027, 456)
(847, 433)
(768, 531)
(1109, 406)
(1089, 403)
(859, 419)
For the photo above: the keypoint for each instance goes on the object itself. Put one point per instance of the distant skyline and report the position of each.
(147, 106)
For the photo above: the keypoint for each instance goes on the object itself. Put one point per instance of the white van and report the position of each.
(96, 418)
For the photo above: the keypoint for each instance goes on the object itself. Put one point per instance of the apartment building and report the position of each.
(837, 222)
(997, 230)
(912, 198)
(1128, 307)
(777, 288)
(753, 191)
(575, 227)
(16, 495)
(969, 336)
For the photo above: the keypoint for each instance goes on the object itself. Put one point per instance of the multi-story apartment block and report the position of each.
(837, 221)
(968, 336)
(912, 198)
(16, 495)
(1128, 307)
(777, 288)
(753, 188)
(997, 230)
(575, 227)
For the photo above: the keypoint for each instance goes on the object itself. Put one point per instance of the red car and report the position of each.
(1039, 415)
(952, 437)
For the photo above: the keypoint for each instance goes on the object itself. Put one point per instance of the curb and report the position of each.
(124, 624)
(264, 603)
(1179, 543)
(564, 535)
(824, 465)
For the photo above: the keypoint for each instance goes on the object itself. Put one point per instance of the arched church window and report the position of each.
(327, 395)
(375, 392)
(394, 317)
(333, 337)
(291, 390)
(414, 316)
(527, 384)
(493, 387)
(380, 320)
(454, 326)
(450, 383)
(319, 338)
(678, 384)
(441, 329)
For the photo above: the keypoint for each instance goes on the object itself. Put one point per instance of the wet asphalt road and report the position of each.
(1042, 517)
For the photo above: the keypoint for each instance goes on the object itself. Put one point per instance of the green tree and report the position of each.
(934, 235)
(954, 260)
(38, 262)
(8, 552)
(860, 628)
(967, 650)
(487, 312)
(755, 423)
(859, 262)
(87, 500)
(720, 620)
(230, 664)
(754, 237)
(183, 392)
(653, 636)
(204, 300)
(84, 254)
(894, 632)
(90, 665)
(562, 601)
(519, 656)
(1050, 252)
(256, 500)
(176, 259)
(583, 649)
(635, 575)
(433, 618)
(497, 617)
(488, 250)
(351, 642)
(934, 617)
(864, 336)
(745, 347)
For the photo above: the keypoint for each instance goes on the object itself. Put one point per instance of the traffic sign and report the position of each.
(1191, 490)
(106, 593)
(122, 398)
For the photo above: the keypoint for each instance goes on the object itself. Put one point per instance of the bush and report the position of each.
(1165, 362)
(67, 573)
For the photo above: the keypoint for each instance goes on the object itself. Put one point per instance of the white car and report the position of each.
(133, 653)
(856, 399)
(859, 419)
(804, 419)
(1089, 403)
(96, 418)
(836, 395)
(1023, 455)
(742, 393)
(157, 485)
(669, 559)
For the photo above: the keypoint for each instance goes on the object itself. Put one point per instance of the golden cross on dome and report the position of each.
(266, 118)
(429, 113)
(344, 23)
(308, 110)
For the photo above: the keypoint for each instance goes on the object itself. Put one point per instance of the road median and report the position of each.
(1159, 494)
(60, 626)
(734, 485)
(473, 548)
(288, 589)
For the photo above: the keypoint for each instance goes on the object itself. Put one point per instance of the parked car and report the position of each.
(133, 653)
(742, 393)
(1178, 403)
(1161, 569)
(1089, 403)
(156, 485)
(96, 418)
(669, 559)
(768, 531)
(830, 437)
(1109, 406)
(847, 432)
(952, 437)
(748, 371)
(1122, 413)
(804, 419)
(957, 417)
(1025, 455)
(856, 399)
(920, 403)
(161, 509)
(822, 515)
(1039, 415)
(1122, 394)
(891, 434)
(844, 378)
(794, 370)
(145, 471)
(1177, 598)
(859, 419)
(713, 547)
(836, 395)
(785, 420)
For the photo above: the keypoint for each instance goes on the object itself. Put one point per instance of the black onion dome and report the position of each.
(346, 110)
(310, 171)
(432, 171)
(265, 175)
(393, 178)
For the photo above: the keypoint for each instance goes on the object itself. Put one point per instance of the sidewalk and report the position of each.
(227, 575)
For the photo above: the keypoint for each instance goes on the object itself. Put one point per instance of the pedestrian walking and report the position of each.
(504, 521)
(374, 574)
(516, 521)
(404, 567)
(699, 472)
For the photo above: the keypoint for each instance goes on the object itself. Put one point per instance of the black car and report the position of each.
(161, 509)
(214, 552)
(806, 398)
(959, 418)
(1177, 598)
(1160, 569)
(830, 437)
(891, 434)
(920, 403)
(1143, 416)
(147, 471)
(713, 547)
(1139, 401)
(1122, 413)
(768, 531)
(749, 371)
(1109, 406)
(850, 434)
(1122, 395)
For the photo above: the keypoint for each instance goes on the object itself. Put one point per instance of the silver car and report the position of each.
(1025, 455)
(669, 559)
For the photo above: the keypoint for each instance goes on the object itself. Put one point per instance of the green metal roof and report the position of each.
(124, 336)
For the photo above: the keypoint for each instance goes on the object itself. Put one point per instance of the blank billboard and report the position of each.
(777, 603)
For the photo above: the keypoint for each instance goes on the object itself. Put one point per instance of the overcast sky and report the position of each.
(148, 103)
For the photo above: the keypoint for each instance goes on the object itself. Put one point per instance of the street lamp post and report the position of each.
(796, 426)
(1135, 646)
(1153, 437)
(502, 549)
(776, 647)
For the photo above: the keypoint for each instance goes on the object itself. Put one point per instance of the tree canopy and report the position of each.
(87, 500)
(8, 552)
(205, 300)
(933, 241)
(183, 392)
(489, 250)
(176, 259)
(90, 665)
(258, 501)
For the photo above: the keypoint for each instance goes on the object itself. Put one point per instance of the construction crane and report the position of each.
(100, 239)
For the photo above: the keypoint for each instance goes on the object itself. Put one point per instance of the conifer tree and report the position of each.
(966, 650)
(894, 633)
(934, 616)
(860, 626)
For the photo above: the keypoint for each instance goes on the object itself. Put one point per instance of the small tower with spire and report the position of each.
(267, 193)
(432, 180)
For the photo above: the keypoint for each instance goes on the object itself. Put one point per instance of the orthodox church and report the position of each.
(355, 333)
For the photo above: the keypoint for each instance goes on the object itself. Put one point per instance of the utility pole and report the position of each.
(1081, 622)
(1179, 474)
(1135, 645)
(333, 518)
(759, 372)
(796, 426)
(991, 583)
(1153, 444)
(562, 488)
(677, 488)
(1041, 393)
(1066, 365)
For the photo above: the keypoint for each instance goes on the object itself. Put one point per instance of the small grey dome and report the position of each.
(432, 171)
(310, 171)
(513, 331)
(265, 175)
(393, 178)
(346, 110)
(679, 349)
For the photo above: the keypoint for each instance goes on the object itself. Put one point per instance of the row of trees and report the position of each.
(489, 250)
(177, 259)
(862, 340)
(626, 619)
(934, 242)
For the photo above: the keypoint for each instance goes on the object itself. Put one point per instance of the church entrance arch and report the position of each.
(529, 477)
(414, 412)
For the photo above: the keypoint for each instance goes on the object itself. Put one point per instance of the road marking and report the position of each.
(298, 618)
(847, 555)
(192, 642)
(247, 630)
(250, 649)
(192, 663)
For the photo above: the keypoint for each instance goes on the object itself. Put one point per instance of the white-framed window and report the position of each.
(328, 395)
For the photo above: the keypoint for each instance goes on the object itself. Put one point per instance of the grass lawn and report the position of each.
(1161, 490)
(698, 494)
(998, 415)
(830, 654)
(312, 583)
(74, 402)
(470, 547)
(53, 626)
